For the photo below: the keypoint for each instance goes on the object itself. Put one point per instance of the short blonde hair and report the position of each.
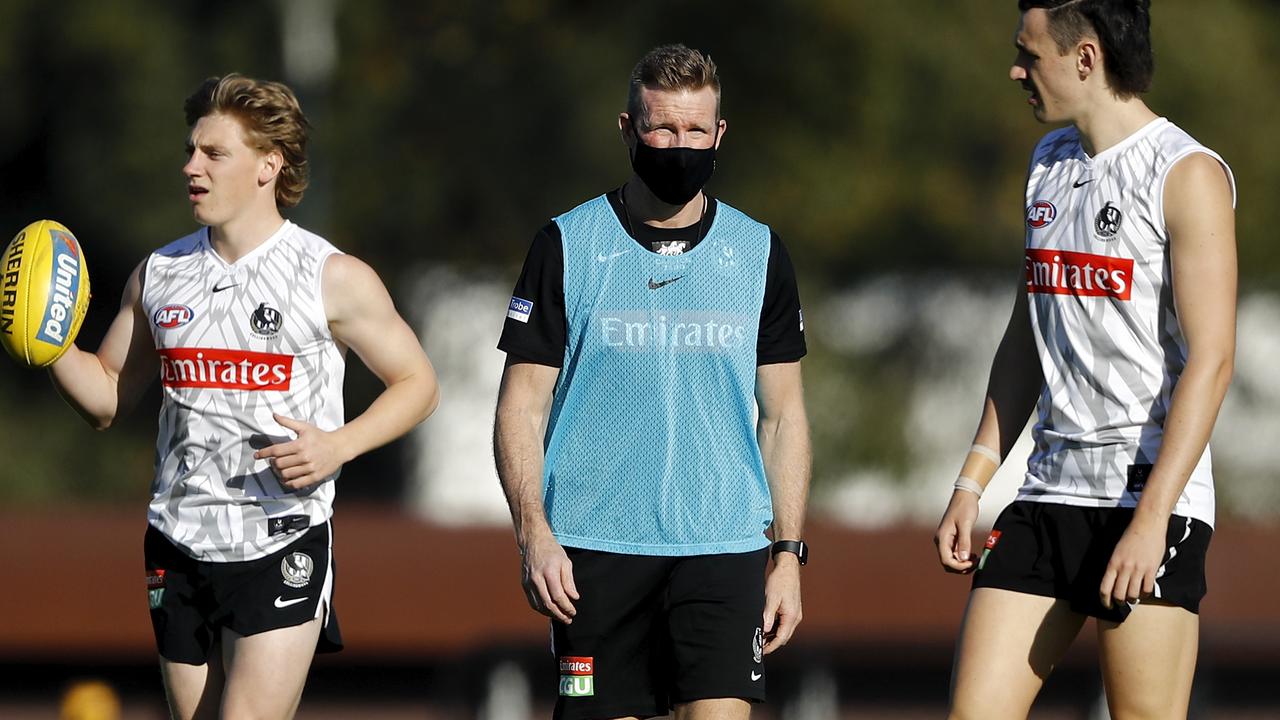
(670, 67)
(272, 120)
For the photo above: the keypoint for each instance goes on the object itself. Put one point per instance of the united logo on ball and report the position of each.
(44, 293)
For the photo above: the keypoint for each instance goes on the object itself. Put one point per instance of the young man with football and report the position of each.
(247, 322)
(1124, 330)
(647, 325)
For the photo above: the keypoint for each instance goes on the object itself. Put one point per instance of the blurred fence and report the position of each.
(894, 384)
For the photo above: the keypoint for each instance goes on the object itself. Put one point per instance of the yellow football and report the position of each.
(44, 293)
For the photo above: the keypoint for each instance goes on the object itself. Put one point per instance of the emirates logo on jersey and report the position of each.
(224, 369)
(1059, 272)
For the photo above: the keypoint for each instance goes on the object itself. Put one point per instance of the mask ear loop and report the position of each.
(714, 142)
(698, 237)
(626, 211)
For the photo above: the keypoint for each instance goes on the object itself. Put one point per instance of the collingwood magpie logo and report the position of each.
(296, 569)
(1107, 222)
(265, 321)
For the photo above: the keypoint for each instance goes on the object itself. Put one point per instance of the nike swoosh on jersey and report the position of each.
(282, 603)
(1081, 183)
(655, 285)
(224, 287)
(606, 258)
(756, 676)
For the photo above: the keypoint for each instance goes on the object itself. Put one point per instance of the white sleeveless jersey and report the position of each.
(238, 342)
(1101, 300)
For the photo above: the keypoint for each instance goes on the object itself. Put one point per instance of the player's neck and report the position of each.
(241, 235)
(646, 208)
(1110, 121)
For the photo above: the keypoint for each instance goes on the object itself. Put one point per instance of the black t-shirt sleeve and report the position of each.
(781, 323)
(536, 328)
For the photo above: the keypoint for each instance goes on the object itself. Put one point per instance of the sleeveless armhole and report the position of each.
(1164, 177)
(143, 288)
(319, 290)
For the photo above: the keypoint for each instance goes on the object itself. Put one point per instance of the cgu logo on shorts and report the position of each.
(155, 587)
(224, 369)
(1040, 214)
(992, 539)
(577, 676)
(1060, 272)
(172, 316)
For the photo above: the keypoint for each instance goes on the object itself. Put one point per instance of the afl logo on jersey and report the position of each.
(265, 321)
(172, 316)
(1040, 214)
(1107, 222)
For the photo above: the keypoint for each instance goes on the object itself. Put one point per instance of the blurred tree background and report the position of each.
(876, 137)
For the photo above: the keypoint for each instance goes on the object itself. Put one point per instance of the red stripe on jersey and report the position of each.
(1060, 272)
(224, 369)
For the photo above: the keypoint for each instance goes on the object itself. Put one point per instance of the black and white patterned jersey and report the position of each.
(236, 343)
(1099, 289)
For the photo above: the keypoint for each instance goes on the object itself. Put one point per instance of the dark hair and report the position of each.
(271, 118)
(1122, 26)
(671, 67)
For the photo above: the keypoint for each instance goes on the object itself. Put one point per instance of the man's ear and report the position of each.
(272, 164)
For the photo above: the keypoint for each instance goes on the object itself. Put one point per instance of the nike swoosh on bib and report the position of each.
(606, 258)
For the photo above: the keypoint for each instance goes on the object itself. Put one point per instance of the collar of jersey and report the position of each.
(636, 242)
(1126, 143)
(253, 254)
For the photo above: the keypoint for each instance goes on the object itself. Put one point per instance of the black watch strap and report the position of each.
(799, 547)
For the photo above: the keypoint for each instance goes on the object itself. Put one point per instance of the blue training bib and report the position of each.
(651, 446)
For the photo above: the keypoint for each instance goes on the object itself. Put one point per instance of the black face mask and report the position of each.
(675, 174)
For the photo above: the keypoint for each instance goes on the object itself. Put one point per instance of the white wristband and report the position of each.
(987, 453)
(969, 484)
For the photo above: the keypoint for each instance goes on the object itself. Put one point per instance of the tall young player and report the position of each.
(247, 322)
(1124, 329)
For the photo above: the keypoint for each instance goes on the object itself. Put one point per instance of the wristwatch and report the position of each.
(799, 547)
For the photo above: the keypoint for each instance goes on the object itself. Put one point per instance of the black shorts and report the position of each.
(1062, 551)
(651, 632)
(191, 601)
